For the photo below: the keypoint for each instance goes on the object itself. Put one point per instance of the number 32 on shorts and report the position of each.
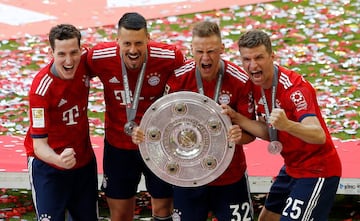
(245, 207)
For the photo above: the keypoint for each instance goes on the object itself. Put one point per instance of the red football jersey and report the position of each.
(104, 61)
(58, 111)
(235, 91)
(298, 99)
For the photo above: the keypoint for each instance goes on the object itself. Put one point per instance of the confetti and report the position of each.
(319, 39)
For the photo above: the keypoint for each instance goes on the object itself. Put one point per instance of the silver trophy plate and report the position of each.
(186, 141)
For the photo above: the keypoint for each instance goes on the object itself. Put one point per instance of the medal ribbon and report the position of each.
(131, 107)
(218, 83)
(272, 130)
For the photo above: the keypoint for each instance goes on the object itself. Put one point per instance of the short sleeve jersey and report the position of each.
(235, 91)
(104, 61)
(298, 99)
(58, 111)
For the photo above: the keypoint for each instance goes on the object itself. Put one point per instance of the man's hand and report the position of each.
(227, 110)
(67, 158)
(235, 134)
(137, 135)
(278, 119)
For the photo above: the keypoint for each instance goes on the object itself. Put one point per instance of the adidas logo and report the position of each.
(62, 102)
(114, 80)
(261, 101)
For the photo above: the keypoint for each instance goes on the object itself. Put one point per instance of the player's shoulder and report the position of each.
(187, 68)
(104, 50)
(42, 81)
(289, 79)
(235, 71)
(162, 50)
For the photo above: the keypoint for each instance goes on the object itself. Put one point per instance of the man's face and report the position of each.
(258, 63)
(133, 46)
(67, 56)
(207, 54)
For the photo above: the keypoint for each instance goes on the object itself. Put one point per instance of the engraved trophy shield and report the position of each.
(186, 141)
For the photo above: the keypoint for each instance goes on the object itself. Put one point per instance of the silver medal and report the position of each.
(275, 147)
(129, 127)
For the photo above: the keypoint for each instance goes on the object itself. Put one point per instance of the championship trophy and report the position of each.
(186, 139)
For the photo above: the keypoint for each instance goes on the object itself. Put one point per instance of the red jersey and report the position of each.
(235, 91)
(298, 99)
(104, 61)
(58, 111)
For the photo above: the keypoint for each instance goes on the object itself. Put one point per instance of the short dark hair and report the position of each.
(255, 38)
(132, 21)
(206, 29)
(63, 32)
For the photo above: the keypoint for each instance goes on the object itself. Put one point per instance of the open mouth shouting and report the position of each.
(68, 68)
(67, 71)
(256, 75)
(134, 60)
(206, 67)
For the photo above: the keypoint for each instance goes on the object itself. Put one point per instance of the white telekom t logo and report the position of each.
(69, 115)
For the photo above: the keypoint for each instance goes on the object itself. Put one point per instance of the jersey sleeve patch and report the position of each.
(299, 100)
(38, 117)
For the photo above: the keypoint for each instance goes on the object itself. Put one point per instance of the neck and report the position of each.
(268, 84)
(53, 70)
(210, 78)
(272, 79)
